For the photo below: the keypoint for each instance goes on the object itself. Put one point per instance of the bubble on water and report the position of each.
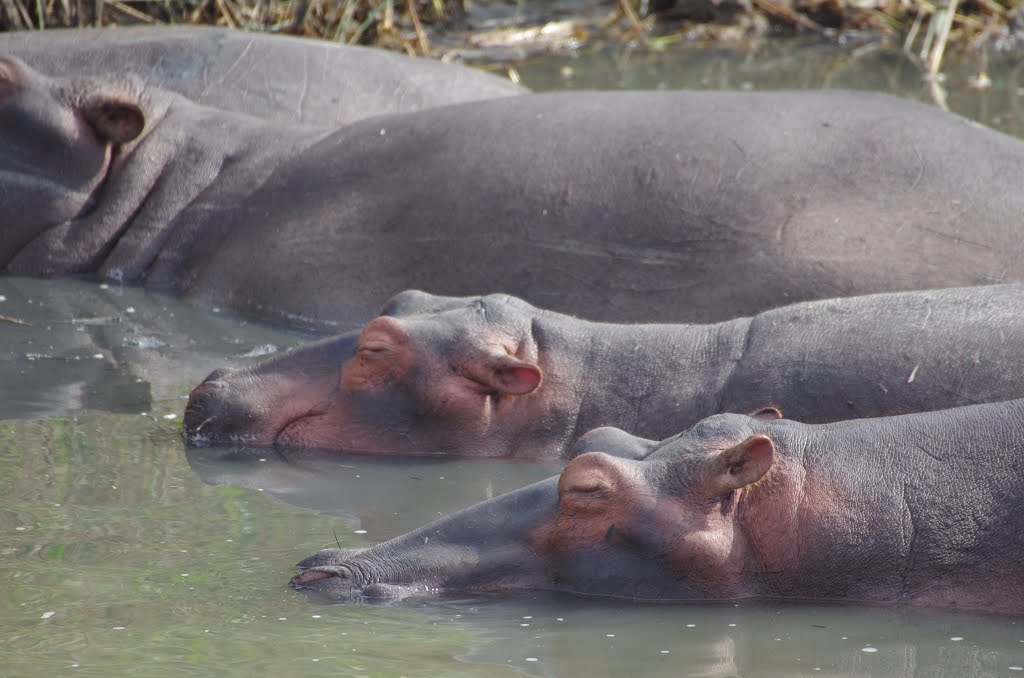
(119, 628)
(531, 659)
(98, 356)
(664, 651)
(172, 415)
(282, 619)
(145, 342)
(524, 624)
(869, 649)
(690, 626)
(261, 350)
(1015, 668)
(47, 615)
(609, 635)
(316, 616)
(528, 617)
(359, 531)
(956, 638)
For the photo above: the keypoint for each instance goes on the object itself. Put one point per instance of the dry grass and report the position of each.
(416, 25)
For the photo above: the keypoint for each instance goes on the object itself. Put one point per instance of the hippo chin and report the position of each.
(921, 509)
(623, 206)
(494, 376)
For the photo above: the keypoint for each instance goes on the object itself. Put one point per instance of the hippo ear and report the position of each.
(739, 466)
(767, 413)
(506, 374)
(115, 120)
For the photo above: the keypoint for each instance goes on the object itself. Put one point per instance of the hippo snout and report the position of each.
(207, 412)
(346, 583)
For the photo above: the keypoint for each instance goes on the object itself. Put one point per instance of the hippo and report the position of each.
(494, 376)
(287, 79)
(621, 206)
(921, 509)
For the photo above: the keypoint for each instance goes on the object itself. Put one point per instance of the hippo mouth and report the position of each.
(343, 580)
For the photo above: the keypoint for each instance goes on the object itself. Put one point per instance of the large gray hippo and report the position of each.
(494, 376)
(923, 509)
(281, 78)
(689, 206)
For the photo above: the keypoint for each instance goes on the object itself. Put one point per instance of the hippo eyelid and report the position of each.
(374, 349)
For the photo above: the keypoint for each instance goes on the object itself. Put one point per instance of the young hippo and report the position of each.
(495, 376)
(923, 509)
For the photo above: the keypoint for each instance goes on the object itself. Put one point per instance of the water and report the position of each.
(123, 553)
(782, 64)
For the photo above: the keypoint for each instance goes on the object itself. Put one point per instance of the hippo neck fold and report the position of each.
(159, 198)
(668, 373)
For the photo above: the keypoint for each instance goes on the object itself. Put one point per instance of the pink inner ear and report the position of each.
(517, 379)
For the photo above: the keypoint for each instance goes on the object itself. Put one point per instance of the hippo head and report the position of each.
(57, 143)
(664, 527)
(431, 375)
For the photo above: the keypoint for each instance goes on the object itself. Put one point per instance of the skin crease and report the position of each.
(920, 509)
(591, 203)
(495, 376)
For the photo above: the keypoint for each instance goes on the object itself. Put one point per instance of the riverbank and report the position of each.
(495, 30)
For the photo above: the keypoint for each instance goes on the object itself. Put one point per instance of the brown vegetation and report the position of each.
(437, 26)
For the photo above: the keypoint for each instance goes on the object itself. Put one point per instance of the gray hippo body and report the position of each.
(495, 376)
(287, 79)
(684, 206)
(921, 509)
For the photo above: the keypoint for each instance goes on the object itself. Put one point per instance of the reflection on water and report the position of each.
(121, 552)
(768, 64)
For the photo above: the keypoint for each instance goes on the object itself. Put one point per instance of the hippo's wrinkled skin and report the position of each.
(290, 80)
(923, 509)
(495, 376)
(613, 205)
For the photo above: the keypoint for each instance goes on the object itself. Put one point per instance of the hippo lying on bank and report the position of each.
(614, 205)
(495, 376)
(281, 78)
(922, 509)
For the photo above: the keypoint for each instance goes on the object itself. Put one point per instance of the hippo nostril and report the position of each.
(205, 404)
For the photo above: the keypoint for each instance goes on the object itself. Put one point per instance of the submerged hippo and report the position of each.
(495, 376)
(276, 77)
(614, 205)
(922, 509)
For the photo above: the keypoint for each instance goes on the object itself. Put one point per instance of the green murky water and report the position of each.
(122, 553)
